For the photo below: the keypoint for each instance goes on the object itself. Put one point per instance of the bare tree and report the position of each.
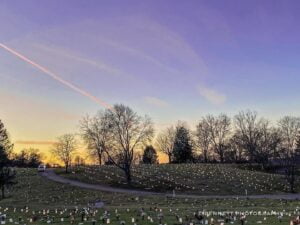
(95, 133)
(236, 150)
(202, 135)
(79, 161)
(255, 135)
(129, 132)
(289, 128)
(165, 142)
(64, 149)
(219, 131)
(248, 132)
(268, 144)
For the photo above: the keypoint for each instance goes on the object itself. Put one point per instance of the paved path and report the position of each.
(52, 176)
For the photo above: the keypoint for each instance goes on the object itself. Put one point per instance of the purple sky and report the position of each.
(173, 60)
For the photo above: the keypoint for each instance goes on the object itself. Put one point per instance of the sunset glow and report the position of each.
(171, 60)
(57, 77)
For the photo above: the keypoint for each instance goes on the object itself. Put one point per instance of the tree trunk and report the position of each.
(221, 157)
(128, 177)
(292, 179)
(170, 158)
(292, 187)
(127, 171)
(100, 159)
(2, 192)
(67, 166)
(205, 156)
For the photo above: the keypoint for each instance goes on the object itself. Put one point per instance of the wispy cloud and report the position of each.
(72, 55)
(156, 102)
(151, 36)
(211, 95)
(56, 77)
(137, 53)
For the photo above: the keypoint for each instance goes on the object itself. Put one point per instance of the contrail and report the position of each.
(58, 78)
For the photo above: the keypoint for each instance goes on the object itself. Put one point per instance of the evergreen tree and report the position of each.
(150, 155)
(3, 157)
(7, 174)
(182, 151)
(5, 142)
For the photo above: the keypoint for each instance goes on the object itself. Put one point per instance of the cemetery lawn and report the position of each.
(50, 202)
(197, 179)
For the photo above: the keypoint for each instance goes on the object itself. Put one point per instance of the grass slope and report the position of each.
(202, 179)
(36, 200)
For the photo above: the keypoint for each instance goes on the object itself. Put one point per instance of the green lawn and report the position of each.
(46, 202)
(202, 179)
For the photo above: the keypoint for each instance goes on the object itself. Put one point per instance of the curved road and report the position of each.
(49, 174)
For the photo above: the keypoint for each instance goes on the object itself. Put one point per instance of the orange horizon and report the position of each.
(44, 148)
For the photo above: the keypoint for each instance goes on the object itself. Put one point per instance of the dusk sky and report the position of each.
(173, 60)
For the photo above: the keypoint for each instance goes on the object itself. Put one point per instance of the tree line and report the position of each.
(117, 136)
(121, 137)
(245, 138)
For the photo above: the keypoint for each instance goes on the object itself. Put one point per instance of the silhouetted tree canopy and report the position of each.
(150, 155)
(27, 158)
(165, 142)
(5, 146)
(128, 132)
(183, 149)
(7, 174)
(64, 149)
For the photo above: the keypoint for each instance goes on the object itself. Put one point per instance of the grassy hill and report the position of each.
(202, 179)
(35, 197)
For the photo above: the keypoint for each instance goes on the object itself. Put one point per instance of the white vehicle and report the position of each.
(42, 168)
